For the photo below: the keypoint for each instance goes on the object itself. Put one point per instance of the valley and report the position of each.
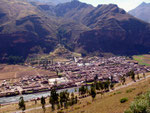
(67, 56)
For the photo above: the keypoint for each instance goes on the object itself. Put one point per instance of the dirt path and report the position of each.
(36, 108)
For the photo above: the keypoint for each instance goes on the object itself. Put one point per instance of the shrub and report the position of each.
(141, 104)
(123, 100)
(119, 92)
(130, 90)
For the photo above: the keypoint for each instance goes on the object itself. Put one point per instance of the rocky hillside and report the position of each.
(142, 12)
(28, 28)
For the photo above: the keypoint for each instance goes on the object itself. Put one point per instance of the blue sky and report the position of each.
(125, 4)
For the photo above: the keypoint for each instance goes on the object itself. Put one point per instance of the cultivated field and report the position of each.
(16, 71)
(142, 59)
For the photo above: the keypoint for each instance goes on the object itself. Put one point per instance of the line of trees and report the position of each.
(96, 87)
(132, 75)
(62, 100)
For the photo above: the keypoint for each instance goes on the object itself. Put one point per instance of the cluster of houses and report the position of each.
(73, 73)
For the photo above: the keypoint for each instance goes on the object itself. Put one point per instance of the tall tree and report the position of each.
(53, 98)
(132, 74)
(93, 92)
(22, 104)
(82, 90)
(43, 104)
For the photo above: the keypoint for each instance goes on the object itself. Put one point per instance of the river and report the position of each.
(6, 100)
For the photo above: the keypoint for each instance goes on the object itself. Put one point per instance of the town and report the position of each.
(72, 73)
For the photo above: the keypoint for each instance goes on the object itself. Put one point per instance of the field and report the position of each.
(109, 103)
(16, 71)
(142, 59)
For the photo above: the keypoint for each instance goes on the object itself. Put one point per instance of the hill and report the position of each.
(28, 28)
(142, 12)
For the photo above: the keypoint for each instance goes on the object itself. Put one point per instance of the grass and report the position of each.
(142, 59)
(130, 90)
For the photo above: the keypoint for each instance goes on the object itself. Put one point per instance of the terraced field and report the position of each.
(143, 59)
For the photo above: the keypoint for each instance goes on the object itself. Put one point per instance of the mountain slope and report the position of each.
(39, 28)
(114, 31)
(142, 12)
(22, 29)
(73, 10)
(30, 30)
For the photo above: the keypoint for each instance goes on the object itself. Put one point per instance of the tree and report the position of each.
(35, 101)
(106, 85)
(93, 92)
(82, 90)
(53, 98)
(64, 98)
(144, 75)
(72, 99)
(43, 104)
(101, 85)
(132, 74)
(123, 79)
(97, 86)
(138, 77)
(112, 86)
(22, 104)
(75, 89)
(76, 100)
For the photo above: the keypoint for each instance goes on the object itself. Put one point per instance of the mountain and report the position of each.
(55, 2)
(142, 12)
(114, 31)
(22, 29)
(29, 28)
(111, 29)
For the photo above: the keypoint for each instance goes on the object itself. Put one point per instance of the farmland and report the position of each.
(142, 59)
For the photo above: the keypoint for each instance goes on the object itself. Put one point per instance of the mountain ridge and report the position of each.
(142, 12)
(77, 26)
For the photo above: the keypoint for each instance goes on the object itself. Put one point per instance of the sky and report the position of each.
(125, 4)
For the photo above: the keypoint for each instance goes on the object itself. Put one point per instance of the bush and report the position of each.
(128, 111)
(141, 104)
(117, 93)
(130, 90)
(123, 100)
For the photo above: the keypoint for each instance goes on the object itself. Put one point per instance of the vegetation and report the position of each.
(142, 59)
(53, 98)
(93, 92)
(43, 104)
(141, 104)
(21, 104)
(123, 100)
